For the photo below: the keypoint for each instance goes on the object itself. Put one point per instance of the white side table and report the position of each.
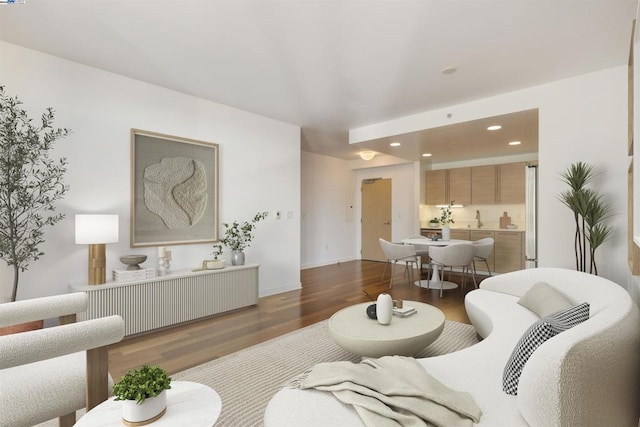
(188, 404)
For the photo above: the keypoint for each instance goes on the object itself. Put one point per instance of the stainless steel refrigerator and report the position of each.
(531, 211)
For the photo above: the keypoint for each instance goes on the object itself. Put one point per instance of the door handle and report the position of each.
(387, 223)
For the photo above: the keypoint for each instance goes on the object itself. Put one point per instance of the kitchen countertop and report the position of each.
(477, 229)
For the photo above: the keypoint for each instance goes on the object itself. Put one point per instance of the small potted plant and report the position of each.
(144, 394)
(215, 263)
(446, 218)
(434, 222)
(237, 237)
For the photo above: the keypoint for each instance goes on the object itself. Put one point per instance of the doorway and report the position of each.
(376, 217)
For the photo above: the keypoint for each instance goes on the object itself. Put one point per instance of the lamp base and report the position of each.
(97, 264)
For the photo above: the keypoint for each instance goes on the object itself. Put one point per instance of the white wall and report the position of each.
(328, 212)
(580, 119)
(259, 166)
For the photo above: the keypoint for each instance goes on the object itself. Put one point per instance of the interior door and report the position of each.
(376, 217)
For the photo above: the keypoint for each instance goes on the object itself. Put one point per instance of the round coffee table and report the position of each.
(188, 404)
(354, 331)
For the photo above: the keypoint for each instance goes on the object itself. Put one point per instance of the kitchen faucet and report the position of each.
(478, 219)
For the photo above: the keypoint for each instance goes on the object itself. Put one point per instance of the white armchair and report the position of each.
(53, 372)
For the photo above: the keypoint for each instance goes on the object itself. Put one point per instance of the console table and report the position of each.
(175, 298)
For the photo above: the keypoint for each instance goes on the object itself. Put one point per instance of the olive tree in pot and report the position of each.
(30, 183)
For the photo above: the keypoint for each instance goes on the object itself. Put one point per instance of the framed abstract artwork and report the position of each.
(174, 190)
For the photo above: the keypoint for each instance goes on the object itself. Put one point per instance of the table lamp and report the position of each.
(96, 231)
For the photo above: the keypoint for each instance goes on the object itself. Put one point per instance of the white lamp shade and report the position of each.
(91, 229)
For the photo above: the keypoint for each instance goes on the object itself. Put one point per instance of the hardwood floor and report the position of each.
(324, 291)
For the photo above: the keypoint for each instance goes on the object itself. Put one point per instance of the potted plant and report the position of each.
(30, 183)
(238, 237)
(215, 263)
(590, 212)
(446, 218)
(434, 222)
(143, 392)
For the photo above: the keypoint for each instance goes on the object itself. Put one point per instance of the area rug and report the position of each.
(247, 379)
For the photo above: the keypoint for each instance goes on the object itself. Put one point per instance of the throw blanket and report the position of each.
(392, 391)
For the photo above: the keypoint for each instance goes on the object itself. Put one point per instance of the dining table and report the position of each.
(435, 282)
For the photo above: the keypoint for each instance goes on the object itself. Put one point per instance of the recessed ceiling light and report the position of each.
(515, 143)
(395, 144)
(494, 127)
(449, 70)
(426, 155)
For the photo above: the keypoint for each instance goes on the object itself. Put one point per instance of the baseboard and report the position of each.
(325, 263)
(280, 290)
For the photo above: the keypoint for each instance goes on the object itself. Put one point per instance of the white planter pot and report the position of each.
(151, 409)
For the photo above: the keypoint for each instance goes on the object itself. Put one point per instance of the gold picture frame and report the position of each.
(174, 190)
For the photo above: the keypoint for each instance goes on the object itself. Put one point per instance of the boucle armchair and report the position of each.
(53, 372)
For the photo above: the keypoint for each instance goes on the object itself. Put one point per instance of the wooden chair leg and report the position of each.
(97, 376)
(67, 420)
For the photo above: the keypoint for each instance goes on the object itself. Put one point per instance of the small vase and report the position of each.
(384, 309)
(446, 233)
(150, 410)
(237, 258)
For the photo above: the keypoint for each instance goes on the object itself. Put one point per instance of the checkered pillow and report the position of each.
(535, 336)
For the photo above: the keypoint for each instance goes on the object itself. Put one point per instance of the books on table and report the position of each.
(404, 311)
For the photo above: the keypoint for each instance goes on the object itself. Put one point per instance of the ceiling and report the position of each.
(330, 66)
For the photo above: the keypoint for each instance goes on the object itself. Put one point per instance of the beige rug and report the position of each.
(247, 379)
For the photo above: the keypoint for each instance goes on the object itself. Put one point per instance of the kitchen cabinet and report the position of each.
(458, 234)
(508, 251)
(460, 186)
(436, 185)
(483, 234)
(511, 178)
(483, 184)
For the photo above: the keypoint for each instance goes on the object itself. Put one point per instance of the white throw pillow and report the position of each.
(544, 300)
(534, 337)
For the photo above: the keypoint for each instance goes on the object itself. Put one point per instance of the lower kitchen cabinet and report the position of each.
(509, 251)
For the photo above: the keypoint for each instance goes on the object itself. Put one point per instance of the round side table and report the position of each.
(188, 404)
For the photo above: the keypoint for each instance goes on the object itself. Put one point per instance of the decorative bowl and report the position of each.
(512, 226)
(132, 261)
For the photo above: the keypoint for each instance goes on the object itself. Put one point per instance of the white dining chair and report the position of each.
(481, 251)
(400, 253)
(459, 255)
(421, 251)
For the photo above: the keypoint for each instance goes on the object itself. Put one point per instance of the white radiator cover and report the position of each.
(169, 300)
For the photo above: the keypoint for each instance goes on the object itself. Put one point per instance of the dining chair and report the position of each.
(395, 252)
(421, 250)
(481, 251)
(459, 255)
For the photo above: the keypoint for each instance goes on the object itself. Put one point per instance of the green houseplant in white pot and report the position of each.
(239, 236)
(144, 394)
(446, 218)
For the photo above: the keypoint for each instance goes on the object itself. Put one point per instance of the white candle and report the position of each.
(162, 251)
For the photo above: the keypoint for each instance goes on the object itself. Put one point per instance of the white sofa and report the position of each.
(585, 376)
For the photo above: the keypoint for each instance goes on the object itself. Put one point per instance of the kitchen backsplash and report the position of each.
(465, 217)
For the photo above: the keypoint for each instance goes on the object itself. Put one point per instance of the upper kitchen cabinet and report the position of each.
(484, 185)
(511, 183)
(460, 186)
(447, 185)
(436, 185)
